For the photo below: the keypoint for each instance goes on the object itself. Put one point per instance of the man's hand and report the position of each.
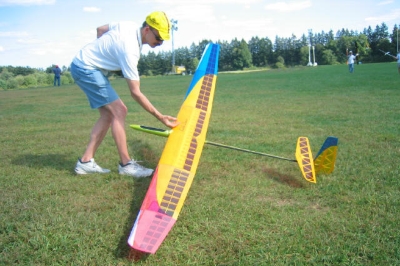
(169, 121)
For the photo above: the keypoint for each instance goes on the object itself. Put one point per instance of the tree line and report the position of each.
(330, 48)
(26, 77)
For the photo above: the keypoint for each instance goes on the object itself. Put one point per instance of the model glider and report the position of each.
(387, 53)
(178, 163)
(324, 162)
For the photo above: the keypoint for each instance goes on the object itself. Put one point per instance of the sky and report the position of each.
(42, 33)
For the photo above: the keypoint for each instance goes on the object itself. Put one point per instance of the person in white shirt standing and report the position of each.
(350, 61)
(117, 47)
(398, 61)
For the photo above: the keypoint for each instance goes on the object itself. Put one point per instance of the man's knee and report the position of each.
(122, 109)
(118, 109)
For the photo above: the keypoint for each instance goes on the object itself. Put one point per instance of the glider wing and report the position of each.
(386, 53)
(178, 163)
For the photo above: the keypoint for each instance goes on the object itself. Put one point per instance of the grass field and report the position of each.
(242, 209)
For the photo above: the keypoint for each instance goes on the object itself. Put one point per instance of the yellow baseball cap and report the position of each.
(160, 22)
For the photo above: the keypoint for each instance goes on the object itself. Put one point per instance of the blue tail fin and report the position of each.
(325, 160)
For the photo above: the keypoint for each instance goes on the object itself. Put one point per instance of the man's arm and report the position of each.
(101, 30)
(138, 96)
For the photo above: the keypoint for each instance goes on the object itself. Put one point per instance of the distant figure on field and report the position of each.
(350, 61)
(398, 61)
(57, 75)
(117, 47)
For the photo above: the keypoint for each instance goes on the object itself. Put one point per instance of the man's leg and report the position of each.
(127, 165)
(120, 111)
(113, 115)
(97, 135)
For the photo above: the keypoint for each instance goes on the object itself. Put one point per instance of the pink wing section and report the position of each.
(155, 220)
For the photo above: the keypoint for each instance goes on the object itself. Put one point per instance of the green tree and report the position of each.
(261, 51)
(161, 64)
(49, 69)
(304, 55)
(384, 45)
(6, 74)
(3, 84)
(328, 58)
(67, 77)
(146, 64)
(280, 62)
(201, 47)
(225, 56)
(394, 39)
(241, 56)
(195, 62)
(41, 78)
(30, 81)
(12, 84)
(20, 81)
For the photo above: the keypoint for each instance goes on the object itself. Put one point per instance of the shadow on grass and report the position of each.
(53, 160)
(142, 152)
(282, 178)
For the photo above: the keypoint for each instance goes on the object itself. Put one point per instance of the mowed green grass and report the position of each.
(242, 209)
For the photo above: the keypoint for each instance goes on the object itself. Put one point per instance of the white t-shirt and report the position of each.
(351, 59)
(398, 58)
(117, 49)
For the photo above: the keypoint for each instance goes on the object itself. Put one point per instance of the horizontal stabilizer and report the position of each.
(305, 159)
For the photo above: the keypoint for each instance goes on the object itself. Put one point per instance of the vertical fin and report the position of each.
(324, 162)
(305, 159)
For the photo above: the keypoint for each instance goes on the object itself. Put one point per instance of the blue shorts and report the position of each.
(95, 85)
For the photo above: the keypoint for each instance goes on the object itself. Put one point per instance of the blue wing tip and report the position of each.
(208, 64)
(329, 142)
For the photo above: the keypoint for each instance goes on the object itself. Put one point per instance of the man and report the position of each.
(350, 61)
(117, 47)
(398, 61)
(57, 74)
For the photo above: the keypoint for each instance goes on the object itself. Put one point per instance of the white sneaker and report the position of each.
(134, 169)
(90, 167)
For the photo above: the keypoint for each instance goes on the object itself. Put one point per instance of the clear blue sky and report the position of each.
(39, 33)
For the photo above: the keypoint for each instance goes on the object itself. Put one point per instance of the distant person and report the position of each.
(350, 61)
(117, 47)
(398, 61)
(57, 75)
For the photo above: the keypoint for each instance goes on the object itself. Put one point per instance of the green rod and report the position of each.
(166, 133)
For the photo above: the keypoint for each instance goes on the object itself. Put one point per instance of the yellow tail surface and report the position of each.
(305, 160)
